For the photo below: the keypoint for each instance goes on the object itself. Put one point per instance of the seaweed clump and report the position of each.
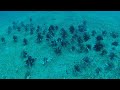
(53, 43)
(93, 33)
(57, 51)
(81, 48)
(115, 43)
(48, 37)
(104, 33)
(104, 52)
(25, 41)
(73, 48)
(26, 27)
(24, 54)
(38, 29)
(15, 38)
(64, 43)
(18, 28)
(79, 40)
(2, 39)
(99, 38)
(112, 55)
(114, 34)
(86, 60)
(51, 28)
(74, 38)
(64, 33)
(9, 30)
(86, 37)
(30, 62)
(77, 69)
(39, 37)
(59, 40)
(14, 25)
(83, 26)
(98, 46)
(32, 30)
(72, 29)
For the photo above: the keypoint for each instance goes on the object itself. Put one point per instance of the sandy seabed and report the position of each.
(88, 50)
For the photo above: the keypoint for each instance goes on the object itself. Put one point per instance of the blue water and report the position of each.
(59, 44)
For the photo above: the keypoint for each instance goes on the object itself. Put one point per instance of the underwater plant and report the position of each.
(64, 43)
(77, 67)
(43, 32)
(64, 33)
(22, 24)
(3, 39)
(98, 46)
(18, 28)
(30, 61)
(104, 52)
(38, 29)
(83, 28)
(14, 25)
(53, 43)
(59, 40)
(86, 60)
(73, 48)
(25, 41)
(114, 34)
(104, 32)
(24, 54)
(30, 19)
(99, 38)
(93, 32)
(26, 27)
(81, 48)
(72, 29)
(79, 40)
(48, 36)
(56, 28)
(86, 36)
(15, 38)
(57, 51)
(39, 37)
(9, 30)
(52, 34)
(32, 30)
(115, 43)
(74, 38)
(51, 31)
(112, 55)
(51, 28)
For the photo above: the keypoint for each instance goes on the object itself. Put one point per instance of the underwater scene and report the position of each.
(59, 45)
